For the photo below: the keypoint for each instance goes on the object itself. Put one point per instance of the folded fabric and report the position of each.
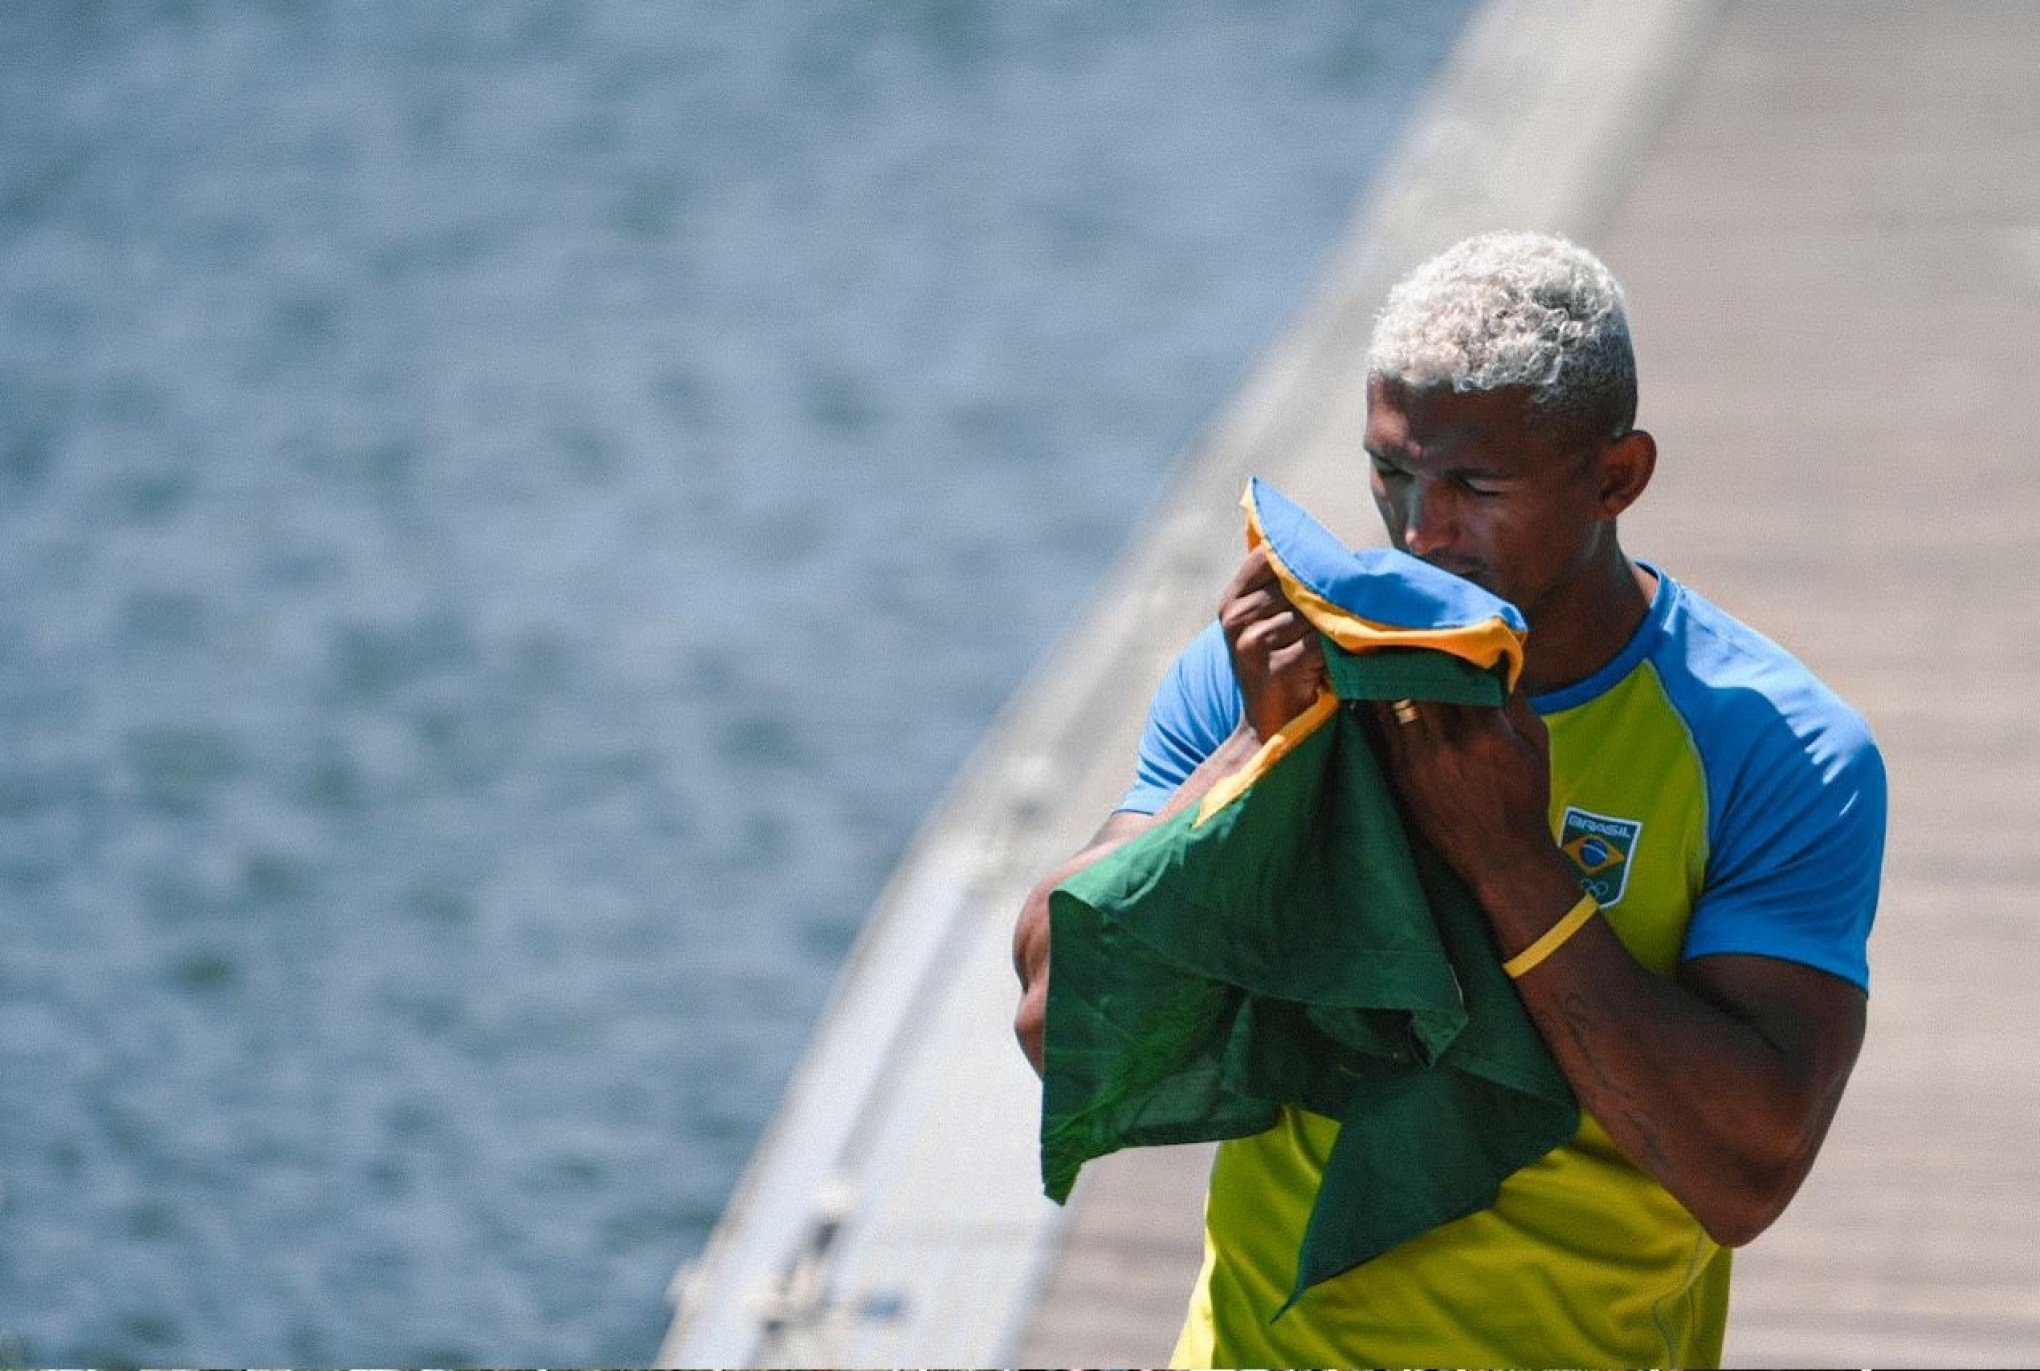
(1291, 942)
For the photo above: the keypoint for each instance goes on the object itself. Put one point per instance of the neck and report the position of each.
(1582, 626)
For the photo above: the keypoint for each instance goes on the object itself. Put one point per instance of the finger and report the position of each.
(1258, 637)
(1449, 723)
(1283, 629)
(1262, 603)
(1400, 733)
(1270, 587)
(1253, 617)
(1253, 572)
(1301, 655)
(1437, 728)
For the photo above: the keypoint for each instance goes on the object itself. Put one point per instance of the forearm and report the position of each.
(1725, 1112)
(1030, 934)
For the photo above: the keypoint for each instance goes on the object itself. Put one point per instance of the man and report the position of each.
(1724, 810)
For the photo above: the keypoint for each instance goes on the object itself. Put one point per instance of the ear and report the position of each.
(1626, 469)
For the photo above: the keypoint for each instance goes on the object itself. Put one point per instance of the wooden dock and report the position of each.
(1832, 253)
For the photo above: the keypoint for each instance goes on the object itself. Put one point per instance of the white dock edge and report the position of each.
(892, 1214)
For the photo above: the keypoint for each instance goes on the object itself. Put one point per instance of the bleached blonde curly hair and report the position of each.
(1514, 309)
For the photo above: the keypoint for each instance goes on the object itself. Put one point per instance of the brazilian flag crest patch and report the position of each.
(1600, 846)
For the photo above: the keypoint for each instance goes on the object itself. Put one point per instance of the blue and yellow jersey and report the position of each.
(1716, 798)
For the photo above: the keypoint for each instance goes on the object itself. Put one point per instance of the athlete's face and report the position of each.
(1470, 484)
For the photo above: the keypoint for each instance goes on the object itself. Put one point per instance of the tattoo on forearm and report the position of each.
(1578, 1024)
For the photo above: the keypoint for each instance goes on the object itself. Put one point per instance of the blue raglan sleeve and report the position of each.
(1798, 855)
(1195, 708)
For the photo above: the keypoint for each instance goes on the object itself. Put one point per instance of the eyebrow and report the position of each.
(1458, 472)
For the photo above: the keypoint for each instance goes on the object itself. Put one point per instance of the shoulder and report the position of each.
(1796, 794)
(1761, 721)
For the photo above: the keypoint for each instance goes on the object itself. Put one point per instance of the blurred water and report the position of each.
(511, 512)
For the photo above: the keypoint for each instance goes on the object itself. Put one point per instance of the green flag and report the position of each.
(1300, 946)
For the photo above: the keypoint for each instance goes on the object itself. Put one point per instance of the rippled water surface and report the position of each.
(508, 514)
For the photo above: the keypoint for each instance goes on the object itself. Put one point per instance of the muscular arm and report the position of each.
(1720, 1084)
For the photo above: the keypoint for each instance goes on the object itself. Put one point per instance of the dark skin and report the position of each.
(1721, 1082)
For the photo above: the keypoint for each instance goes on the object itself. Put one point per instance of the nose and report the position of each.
(1430, 525)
